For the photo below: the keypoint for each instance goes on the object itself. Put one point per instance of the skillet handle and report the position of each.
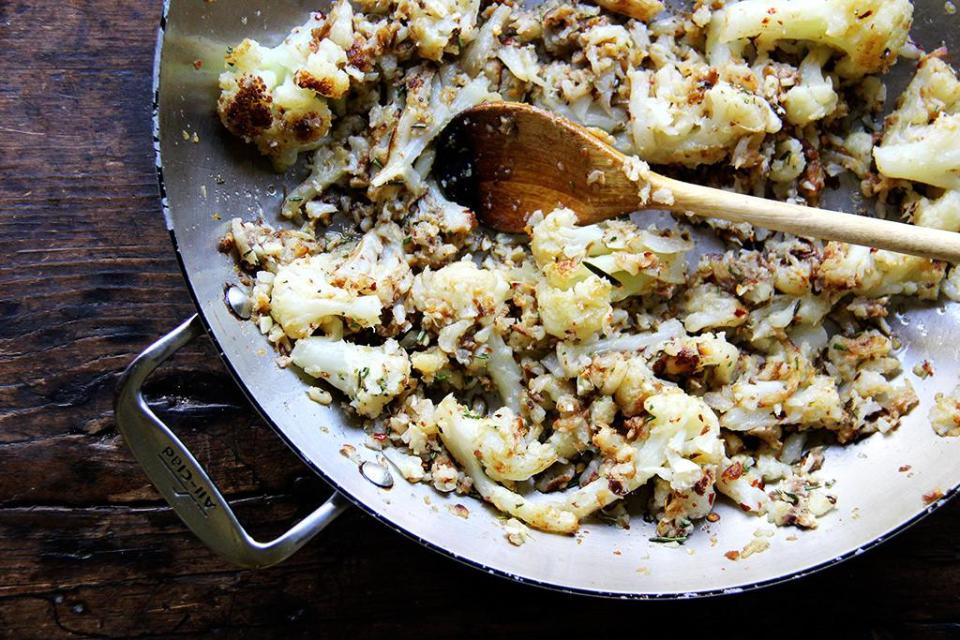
(183, 482)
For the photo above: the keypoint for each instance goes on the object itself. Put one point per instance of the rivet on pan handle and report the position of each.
(183, 482)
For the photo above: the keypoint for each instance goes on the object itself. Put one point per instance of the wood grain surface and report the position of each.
(87, 549)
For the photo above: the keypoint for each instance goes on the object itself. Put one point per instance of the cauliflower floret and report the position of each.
(487, 43)
(940, 213)
(303, 299)
(505, 372)
(433, 25)
(680, 437)
(459, 291)
(674, 121)
(636, 261)
(355, 282)
(814, 98)
(921, 139)
(278, 97)
(343, 155)
(875, 273)
(377, 265)
(370, 376)
(573, 358)
(501, 443)
(740, 482)
(867, 366)
(578, 312)
(637, 9)
(557, 237)
(676, 510)
(433, 99)
(789, 495)
(689, 356)
(708, 306)
(945, 413)
(782, 389)
(871, 33)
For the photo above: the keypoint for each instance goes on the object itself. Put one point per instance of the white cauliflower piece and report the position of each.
(578, 312)
(871, 33)
(939, 213)
(674, 121)
(377, 265)
(278, 97)
(814, 98)
(436, 26)
(875, 273)
(332, 163)
(679, 438)
(303, 299)
(460, 291)
(505, 372)
(355, 282)
(687, 356)
(945, 413)
(921, 139)
(707, 306)
(573, 358)
(487, 43)
(682, 435)
(636, 261)
(370, 376)
(498, 442)
(433, 99)
(409, 466)
(558, 237)
(636, 9)
(740, 482)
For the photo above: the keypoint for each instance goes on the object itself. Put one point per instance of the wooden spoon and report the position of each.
(506, 160)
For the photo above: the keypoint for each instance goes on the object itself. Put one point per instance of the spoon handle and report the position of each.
(811, 222)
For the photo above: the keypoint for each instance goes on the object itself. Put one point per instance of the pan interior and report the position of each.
(210, 177)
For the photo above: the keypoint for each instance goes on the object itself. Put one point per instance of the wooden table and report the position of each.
(87, 549)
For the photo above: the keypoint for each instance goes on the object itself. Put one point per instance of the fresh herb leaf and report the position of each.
(361, 375)
(603, 274)
(786, 496)
(666, 539)
(839, 347)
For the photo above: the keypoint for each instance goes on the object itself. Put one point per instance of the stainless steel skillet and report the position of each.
(207, 177)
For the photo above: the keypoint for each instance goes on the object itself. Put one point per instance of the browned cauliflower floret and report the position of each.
(921, 139)
(871, 33)
(278, 97)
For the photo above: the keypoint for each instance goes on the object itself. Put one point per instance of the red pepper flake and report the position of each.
(932, 496)
(733, 472)
(732, 555)
(198, 64)
(904, 468)
(713, 516)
